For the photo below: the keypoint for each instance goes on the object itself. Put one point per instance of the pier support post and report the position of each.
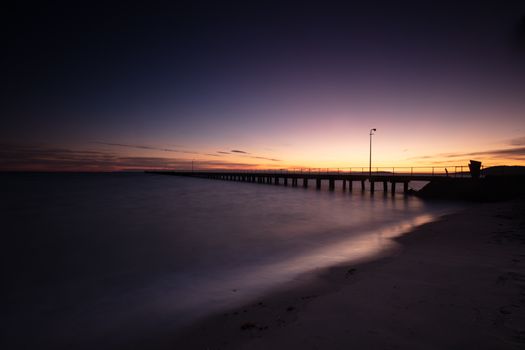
(393, 187)
(372, 186)
(318, 183)
(385, 187)
(294, 182)
(405, 187)
(305, 182)
(286, 181)
(331, 184)
(344, 185)
(350, 185)
(363, 185)
(277, 180)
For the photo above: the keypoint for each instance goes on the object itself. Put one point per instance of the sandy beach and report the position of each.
(457, 283)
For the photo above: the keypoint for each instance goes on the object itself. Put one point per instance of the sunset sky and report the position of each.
(274, 85)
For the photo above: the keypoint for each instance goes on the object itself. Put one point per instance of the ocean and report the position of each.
(109, 261)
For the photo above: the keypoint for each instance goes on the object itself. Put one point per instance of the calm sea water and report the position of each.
(108, 260)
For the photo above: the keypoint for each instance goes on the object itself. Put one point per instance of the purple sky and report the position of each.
(136, 86)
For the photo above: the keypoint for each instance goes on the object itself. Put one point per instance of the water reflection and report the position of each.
(97, 259)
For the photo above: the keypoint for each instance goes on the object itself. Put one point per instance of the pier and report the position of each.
(389, 179)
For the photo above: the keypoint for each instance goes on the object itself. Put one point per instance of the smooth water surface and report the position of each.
(107, 260)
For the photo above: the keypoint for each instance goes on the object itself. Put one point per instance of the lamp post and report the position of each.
(370, 161)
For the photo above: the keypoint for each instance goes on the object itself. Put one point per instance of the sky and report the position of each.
(110, 86)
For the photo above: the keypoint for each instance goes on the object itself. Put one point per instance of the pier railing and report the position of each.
(455, 171)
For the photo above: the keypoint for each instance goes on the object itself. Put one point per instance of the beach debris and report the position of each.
(306, 297)
(247, 326)
(504, 310)
(350, 272)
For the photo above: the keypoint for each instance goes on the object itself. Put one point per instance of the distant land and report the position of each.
(504, 170)
(498, 183)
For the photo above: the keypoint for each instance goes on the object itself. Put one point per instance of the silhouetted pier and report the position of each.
(389, 180)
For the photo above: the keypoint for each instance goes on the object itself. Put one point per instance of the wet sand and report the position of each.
(457, 283)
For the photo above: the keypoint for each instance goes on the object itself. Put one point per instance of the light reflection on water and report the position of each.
(97, 259)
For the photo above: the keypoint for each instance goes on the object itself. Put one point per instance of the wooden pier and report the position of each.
(389, 181)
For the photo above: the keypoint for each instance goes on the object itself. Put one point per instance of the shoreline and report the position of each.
(457, 282)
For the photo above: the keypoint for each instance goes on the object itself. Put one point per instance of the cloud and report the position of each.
(154, 148)
(516, 153)
(34, 158)
(506, 152)
(519, 141)
(49, 158)
(265, 158)
(248, 155)
(141, 147)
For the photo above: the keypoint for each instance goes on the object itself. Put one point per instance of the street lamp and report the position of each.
(370, 162)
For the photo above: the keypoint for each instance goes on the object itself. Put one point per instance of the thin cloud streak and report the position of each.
(265, 158)
(519, 141)
(154, 148)
(517, 153)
